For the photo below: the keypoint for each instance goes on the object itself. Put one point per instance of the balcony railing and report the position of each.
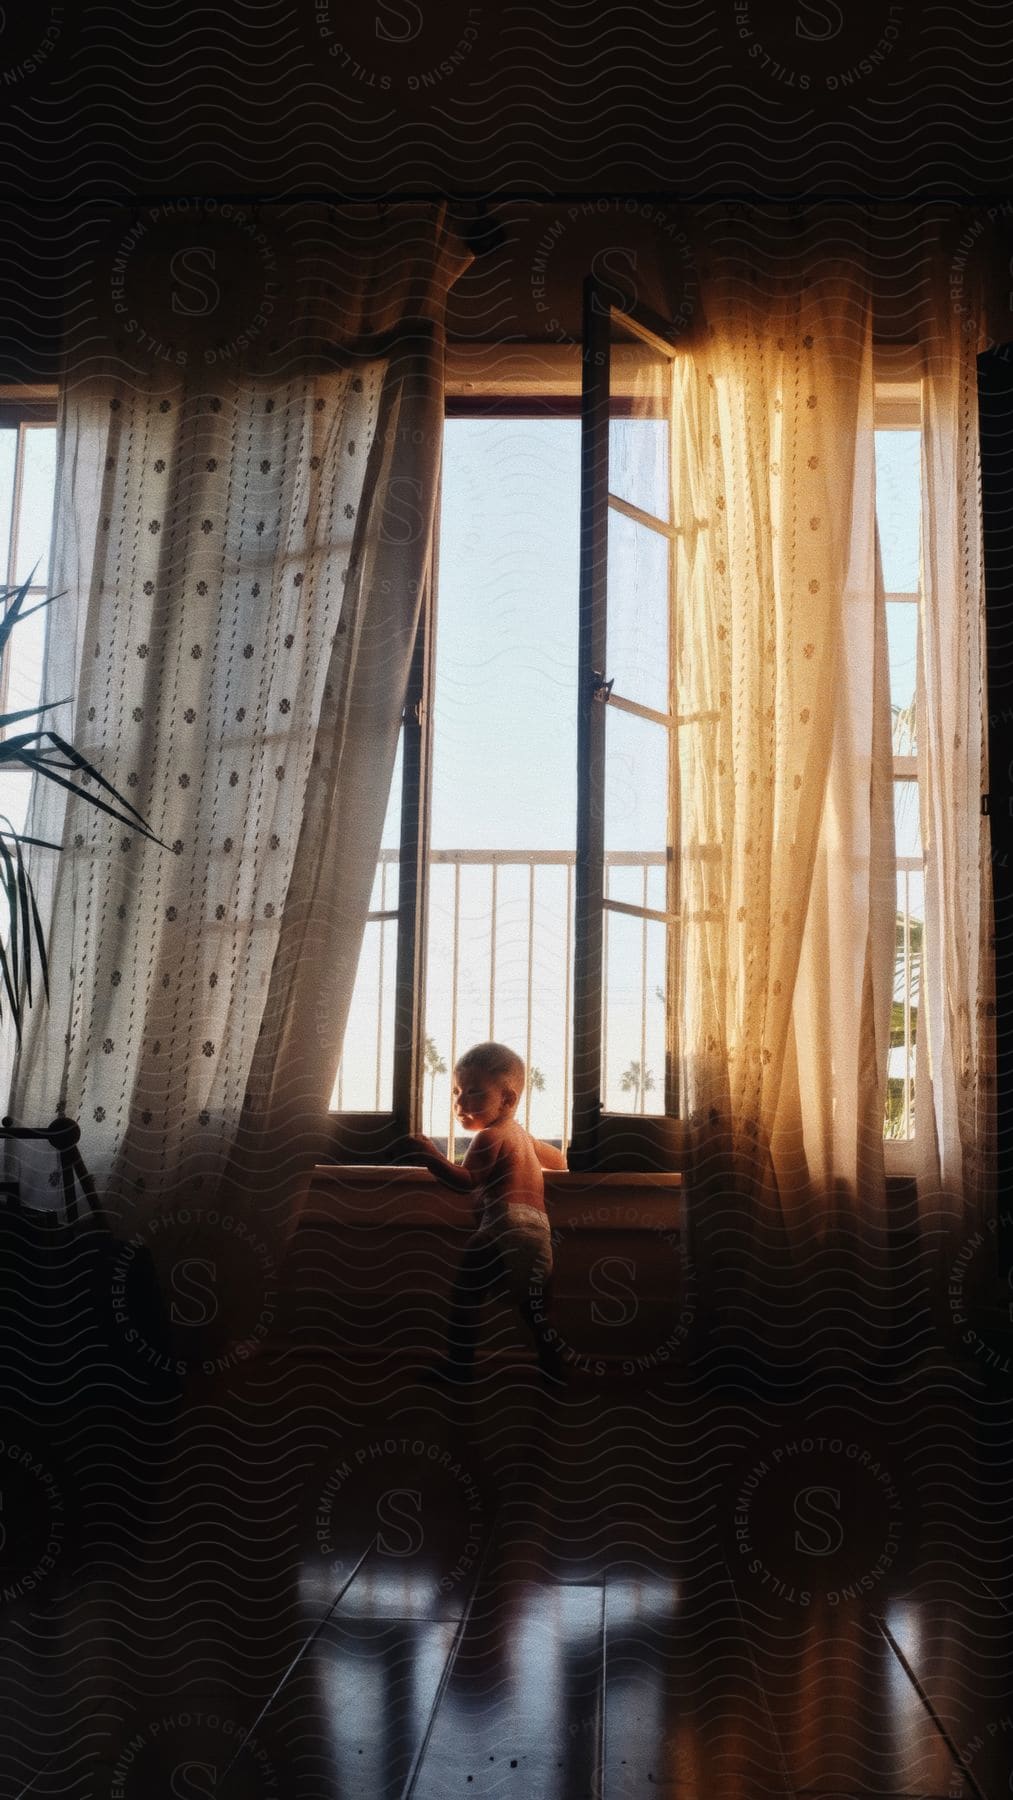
(500, 964)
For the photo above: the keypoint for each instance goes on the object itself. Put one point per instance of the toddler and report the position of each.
(511, 1247)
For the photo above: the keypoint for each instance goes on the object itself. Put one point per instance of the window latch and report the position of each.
(600, 688)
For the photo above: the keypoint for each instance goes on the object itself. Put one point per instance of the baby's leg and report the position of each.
(529, 1260)
(481, 1268)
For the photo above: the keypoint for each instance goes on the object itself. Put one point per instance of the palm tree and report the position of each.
(435, 1065)
(536, 1084)
(46, 754)
(638, 1082)
(904, 728)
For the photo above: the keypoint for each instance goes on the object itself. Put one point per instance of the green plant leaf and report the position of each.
(26, 923)
(30, 712)
(11, 991)
(39, 843)
(82, 763)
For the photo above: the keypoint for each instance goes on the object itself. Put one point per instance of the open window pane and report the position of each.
(627, 775)
(902, 633)
(899, 1121)
(907, 824)
(639, 441)
(636, 783)
(366, 1075)
(364, 1081)
(637, 655)
(633, 1050)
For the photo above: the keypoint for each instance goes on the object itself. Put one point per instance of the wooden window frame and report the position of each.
(897, 407)
(20, 411)
(599, 1140)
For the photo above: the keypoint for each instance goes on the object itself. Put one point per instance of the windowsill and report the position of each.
(399, 1195)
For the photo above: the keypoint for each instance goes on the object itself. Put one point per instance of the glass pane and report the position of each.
(636, 783)
(384, 895)
(391, 838)
(640, 406)
(636, 657)
(636, 879)
(25, 650)
(504, 733)
(500, 967)
(8, 458)
(366, 1075)
(898, 507)
(633, 1052)
(902, 633)
(35, 520)
(15, 786)
(899, 1119)
(907, 824)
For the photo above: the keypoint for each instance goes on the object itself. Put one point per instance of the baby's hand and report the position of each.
(417, 1145)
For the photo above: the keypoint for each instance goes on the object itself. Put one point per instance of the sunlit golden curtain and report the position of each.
(243, 527)
(787, 841)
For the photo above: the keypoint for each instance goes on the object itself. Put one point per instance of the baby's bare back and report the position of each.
(515, 1178)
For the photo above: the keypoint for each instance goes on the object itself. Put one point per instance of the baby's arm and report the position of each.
(466, 1176)
(548, 1155)
(456, 1175)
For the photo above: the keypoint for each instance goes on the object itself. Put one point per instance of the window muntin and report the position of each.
(625, 948)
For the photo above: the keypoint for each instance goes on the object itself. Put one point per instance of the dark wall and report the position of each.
(695, 98)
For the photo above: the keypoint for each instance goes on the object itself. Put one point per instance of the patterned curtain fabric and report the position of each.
(243, 540)
(954, 1096)
(775, 456)
(787, 837)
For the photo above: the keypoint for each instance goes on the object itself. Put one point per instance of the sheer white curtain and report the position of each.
(243, 546)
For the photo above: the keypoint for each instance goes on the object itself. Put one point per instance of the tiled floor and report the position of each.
(319, 1580)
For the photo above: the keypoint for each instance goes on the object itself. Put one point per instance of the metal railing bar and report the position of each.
(454, 986)
(492, 954)
(379, 991)
(643, 995)
(567, 997)
(632, 859)
(531, 972)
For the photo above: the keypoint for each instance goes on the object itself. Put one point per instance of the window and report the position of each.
(498, 739)
(497, 886)
(27, 477)
(898, 510)
(504, 886)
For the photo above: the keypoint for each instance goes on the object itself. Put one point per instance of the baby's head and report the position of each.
(488, 1084)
